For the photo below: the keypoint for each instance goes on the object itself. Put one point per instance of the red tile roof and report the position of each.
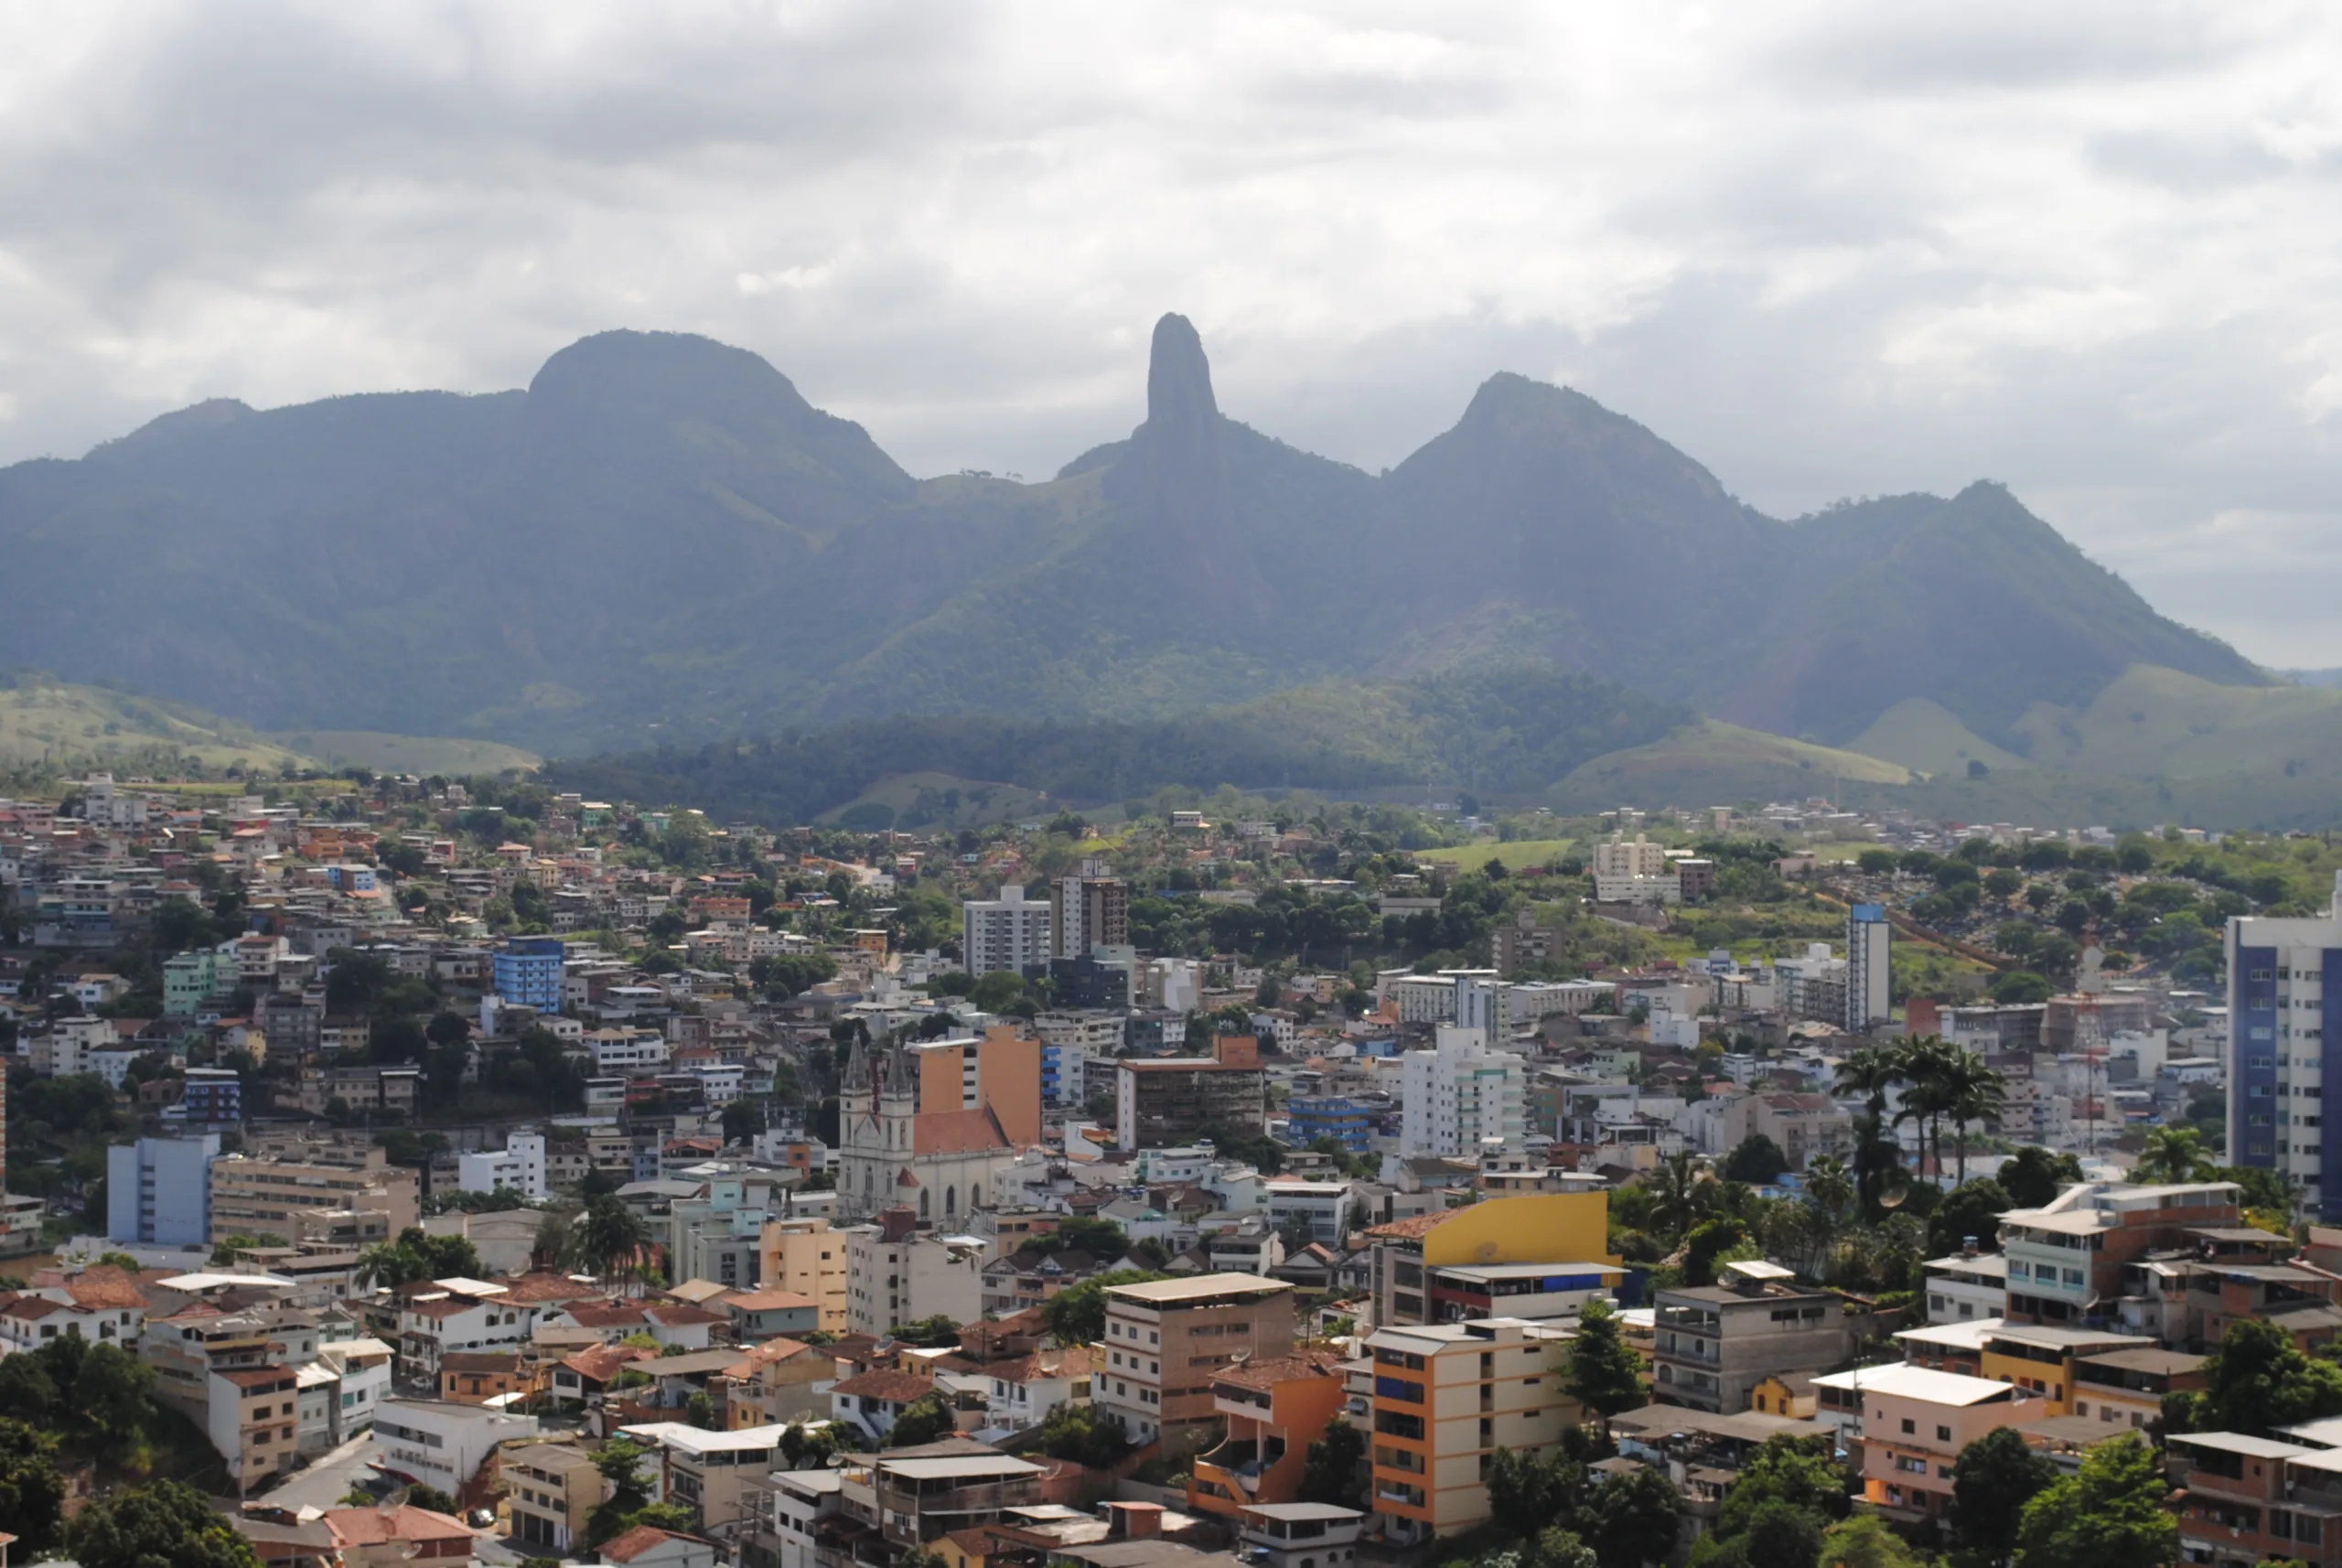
(642, 1538)
(375, 1527)
(895, 1388)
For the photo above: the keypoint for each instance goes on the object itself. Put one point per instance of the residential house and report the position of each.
(392, 1536)
(708, 1473)
(1716, 1343)
(550, 1488)
(1274, 1408)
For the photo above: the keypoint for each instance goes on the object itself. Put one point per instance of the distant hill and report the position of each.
(1709, 763)
(48, 723)
(1506, 732)
(660, 540)
(1928, 737)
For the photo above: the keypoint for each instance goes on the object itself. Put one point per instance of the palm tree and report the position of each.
(1872, 1072)
(1972, 1093)
(1830, 1184)
(2173, 1155)
(1927, 1065)
(1679, 1192)
(610, 1239)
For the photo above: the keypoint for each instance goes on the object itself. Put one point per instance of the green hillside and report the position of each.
(49, 723)
(2154, 722)
(415, 754)
(1505, 733)
(1928, 737)
(1712, 763)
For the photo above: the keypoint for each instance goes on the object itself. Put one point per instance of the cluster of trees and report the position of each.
(1552, 1510)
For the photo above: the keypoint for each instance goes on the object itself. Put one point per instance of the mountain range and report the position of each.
(662, 540)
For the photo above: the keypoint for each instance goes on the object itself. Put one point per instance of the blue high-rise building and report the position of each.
(529, 972)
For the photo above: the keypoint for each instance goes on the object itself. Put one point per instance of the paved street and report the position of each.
(323, 1484)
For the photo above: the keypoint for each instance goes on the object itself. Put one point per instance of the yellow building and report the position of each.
(1793, 1396)
(2041, 1358)
(1567, 1234)
(805, 1256)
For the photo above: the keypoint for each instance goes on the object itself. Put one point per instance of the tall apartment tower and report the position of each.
(2284, 1031)
(1010, 932)
(1090, 910)
(1869, 942)
(1461, 1094)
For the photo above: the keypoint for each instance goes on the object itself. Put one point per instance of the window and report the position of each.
(1911, 1427)
(1943, 1435)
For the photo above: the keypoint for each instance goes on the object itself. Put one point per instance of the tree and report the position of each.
(1712, 1242)
(1088, 1435)
(611, 1240)
(806, 1448)
(1781, 1535)
(2173, 1155)
(2108, 1515)
(1971, 1208)
(1679, 1192)
(925, 1420)
(1633, 1518)
(1994, 1478)
(1526, 1486)
(111, 1393)
(621, 1462)
(417, 1254)
(163, 1524)
(32, 1493)
(424, 1495)
(1076, 1316)
(2021, 988)
(2033, 1175)
(1865, 1541)
(995, 991)
(743, 1120)
(1331, 1470)
(1795, 1470)
(1971, 1091)
(1757, 1161)
(2258, 1381)
(1605, 1375)
(939, 1332)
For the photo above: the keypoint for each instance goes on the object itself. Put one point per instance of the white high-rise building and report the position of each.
(2284, 1030)
(1869, 943)
(1010, 932)
(1461, 1094)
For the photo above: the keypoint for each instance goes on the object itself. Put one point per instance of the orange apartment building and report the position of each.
(1446, 1396)
(1274, 1410)
(1001, 1070)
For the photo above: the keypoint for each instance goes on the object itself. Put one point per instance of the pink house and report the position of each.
(1913, 1422)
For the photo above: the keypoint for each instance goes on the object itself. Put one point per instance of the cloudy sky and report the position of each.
(2094, 251)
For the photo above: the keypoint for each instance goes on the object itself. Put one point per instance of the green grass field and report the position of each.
(1518, 853)
(419, 754)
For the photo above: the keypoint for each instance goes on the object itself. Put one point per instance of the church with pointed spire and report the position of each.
(928, 1125)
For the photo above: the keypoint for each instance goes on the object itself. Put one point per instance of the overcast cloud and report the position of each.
(2094, 251)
